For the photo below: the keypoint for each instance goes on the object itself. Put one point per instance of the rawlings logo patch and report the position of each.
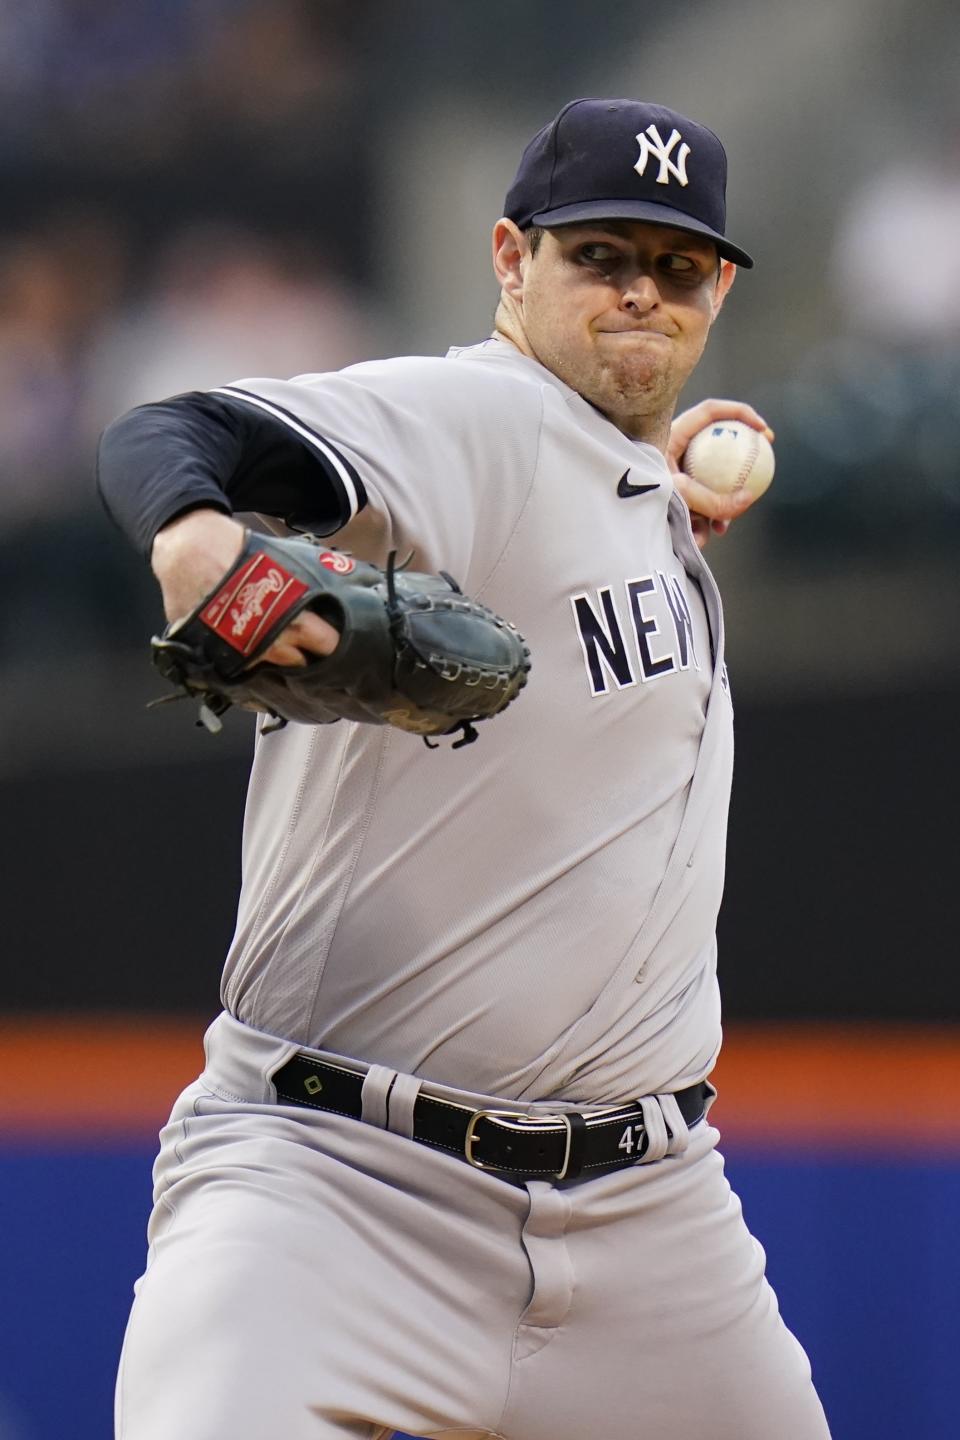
(251, 602)
(251, 599)
(336, 560)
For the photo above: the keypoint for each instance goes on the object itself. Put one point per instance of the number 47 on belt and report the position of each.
(631, 1138)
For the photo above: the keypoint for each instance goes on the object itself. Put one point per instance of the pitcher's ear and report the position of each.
(510, 249)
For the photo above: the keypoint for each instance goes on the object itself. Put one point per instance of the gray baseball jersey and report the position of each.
(534, 916)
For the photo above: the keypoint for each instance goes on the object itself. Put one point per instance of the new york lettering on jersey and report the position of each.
(605, 638)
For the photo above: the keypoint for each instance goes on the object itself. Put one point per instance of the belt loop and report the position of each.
(679, 1131)
(656, 1130)
(373, 1095)
(576, 1146)
(405, 1090)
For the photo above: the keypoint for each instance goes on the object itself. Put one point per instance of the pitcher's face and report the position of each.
(620, 311)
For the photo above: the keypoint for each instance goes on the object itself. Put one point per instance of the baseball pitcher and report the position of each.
(449, 1167)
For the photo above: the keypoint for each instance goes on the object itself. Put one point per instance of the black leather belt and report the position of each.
(560, 1146)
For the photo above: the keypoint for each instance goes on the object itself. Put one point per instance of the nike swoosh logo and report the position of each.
(625, 489)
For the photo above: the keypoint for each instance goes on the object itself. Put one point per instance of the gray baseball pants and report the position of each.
(312, 1277)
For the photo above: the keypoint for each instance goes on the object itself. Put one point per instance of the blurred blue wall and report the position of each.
(861, 1251)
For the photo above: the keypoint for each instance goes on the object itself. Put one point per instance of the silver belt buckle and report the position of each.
(523, 1122)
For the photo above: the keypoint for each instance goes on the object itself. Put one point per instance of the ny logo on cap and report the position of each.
(661, 149)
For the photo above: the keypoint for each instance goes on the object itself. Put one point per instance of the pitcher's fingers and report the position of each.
(281, 652)
(306, 637)
(701, 530)
(714, 506)
(312, 633)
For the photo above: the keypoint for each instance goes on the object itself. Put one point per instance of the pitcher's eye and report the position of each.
(598, 253)
(684, 270)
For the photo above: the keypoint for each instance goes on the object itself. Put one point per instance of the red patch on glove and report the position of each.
(251, 602)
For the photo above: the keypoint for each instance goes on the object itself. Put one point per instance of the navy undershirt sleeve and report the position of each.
(161, 460)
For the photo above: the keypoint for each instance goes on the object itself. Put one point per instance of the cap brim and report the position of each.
(646, 210)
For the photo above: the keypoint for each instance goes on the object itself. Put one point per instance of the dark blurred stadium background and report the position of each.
(197, 192)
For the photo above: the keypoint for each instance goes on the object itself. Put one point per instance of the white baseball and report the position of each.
(730, 457)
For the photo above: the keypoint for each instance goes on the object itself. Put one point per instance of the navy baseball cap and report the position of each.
(624, 160)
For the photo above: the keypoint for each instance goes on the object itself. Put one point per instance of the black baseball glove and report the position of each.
(414, 651)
